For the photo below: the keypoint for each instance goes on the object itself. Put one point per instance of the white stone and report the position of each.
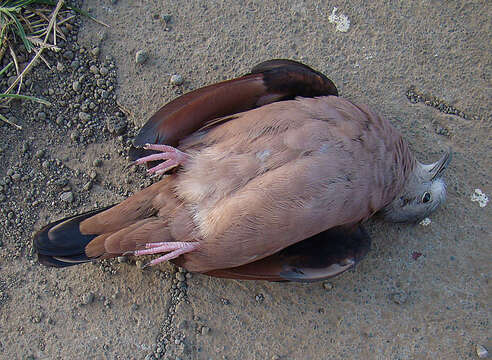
(342, 22)
(480, 197)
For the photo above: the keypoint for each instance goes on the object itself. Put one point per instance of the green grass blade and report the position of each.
(6, 68)
(21, 32)
(26, 97)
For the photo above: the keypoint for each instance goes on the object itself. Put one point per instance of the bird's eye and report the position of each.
(426, 198)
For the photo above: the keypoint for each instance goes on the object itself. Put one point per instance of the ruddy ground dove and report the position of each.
(268, 176)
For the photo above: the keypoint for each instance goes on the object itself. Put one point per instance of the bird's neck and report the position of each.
(406, 160)
(404, 166)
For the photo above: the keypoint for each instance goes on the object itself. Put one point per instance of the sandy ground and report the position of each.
(391, 306)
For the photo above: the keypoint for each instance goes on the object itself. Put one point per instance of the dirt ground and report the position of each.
(71, 158)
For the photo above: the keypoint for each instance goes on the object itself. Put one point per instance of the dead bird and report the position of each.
(270, 176)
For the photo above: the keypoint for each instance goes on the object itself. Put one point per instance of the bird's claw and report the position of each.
(171, 157)
(173, 249)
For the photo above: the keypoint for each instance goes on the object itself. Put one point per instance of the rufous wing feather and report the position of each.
(270, 81)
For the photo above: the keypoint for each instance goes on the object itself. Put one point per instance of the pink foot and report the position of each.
(172, 157)
(175, 249)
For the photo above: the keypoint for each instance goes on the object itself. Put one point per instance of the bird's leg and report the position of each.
(174, 250)
(172, 157)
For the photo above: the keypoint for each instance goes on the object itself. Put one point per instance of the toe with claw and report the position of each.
(173, 249)
(171, 157)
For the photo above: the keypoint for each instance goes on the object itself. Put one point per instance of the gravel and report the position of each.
(176, 80)
(67, 197)
(399, 297)
(141, 57)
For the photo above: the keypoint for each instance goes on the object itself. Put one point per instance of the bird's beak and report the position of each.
(436, 169)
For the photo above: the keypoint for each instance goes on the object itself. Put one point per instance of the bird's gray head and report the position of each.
(424, 191)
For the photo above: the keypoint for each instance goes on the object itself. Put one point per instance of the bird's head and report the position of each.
(424, 191)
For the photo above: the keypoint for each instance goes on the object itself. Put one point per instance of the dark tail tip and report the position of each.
(294, 78)
(61, 244)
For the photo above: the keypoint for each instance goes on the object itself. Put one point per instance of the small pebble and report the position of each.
(40, 154)
(327, 285)
(341, 21)
(205, 330)
(87, 298)
(167, 17)
(67, 197)
(103, 71)
(225, 301)
(41, 116)
(442, 131)
(480, 197)
(399, 298)
(61, 182)
(425, 222)
(180, 276)
(141, 56)
(116, 125)
(93, 69)
(95, 51)
(259, 298)
(93, 174)
(68, 55)
(176, 80)
(74, 136)
(84, 117)
(97, 162)
(76, 86)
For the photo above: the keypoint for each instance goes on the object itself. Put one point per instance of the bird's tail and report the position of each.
(61, 243)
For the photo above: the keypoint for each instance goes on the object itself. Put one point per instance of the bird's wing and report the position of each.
(320, 257)
(268, 82)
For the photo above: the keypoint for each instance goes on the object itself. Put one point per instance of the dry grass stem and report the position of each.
(43, 45)
(4, 119)
(35, 26)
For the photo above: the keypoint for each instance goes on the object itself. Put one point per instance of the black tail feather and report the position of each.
(61, 243)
